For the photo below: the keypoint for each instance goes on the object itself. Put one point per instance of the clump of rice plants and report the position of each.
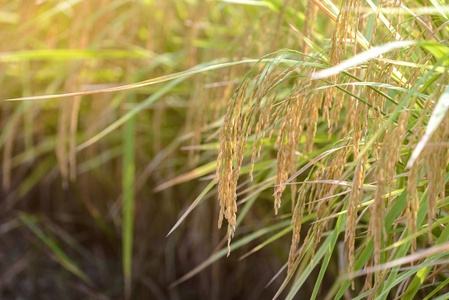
(384, 112)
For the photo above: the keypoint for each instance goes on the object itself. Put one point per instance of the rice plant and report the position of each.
(319, 128)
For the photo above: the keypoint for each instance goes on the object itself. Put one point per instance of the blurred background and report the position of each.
(69, 212)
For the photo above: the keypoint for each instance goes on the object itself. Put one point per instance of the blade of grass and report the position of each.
(61, 257)
(308, 270)
(268, 241)
(180, 75)
(193, 205)
(400, 254)
(224, 251)
(442, 285)
(341, 222)
(198, 172)
(397, 207)
(416, 283)
(128, 170)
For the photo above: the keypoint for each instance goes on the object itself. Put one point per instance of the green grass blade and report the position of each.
(193, 205)
(130, 114)
(61, 256)
(128, 169)
(334, 237)
(308, 270)
(268, 241)
(235, 245)
(442, 285)
(359, 264)
(416, 283)
(394, 212)
(442, 297)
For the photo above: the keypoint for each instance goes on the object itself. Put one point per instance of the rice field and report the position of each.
(224, 149)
